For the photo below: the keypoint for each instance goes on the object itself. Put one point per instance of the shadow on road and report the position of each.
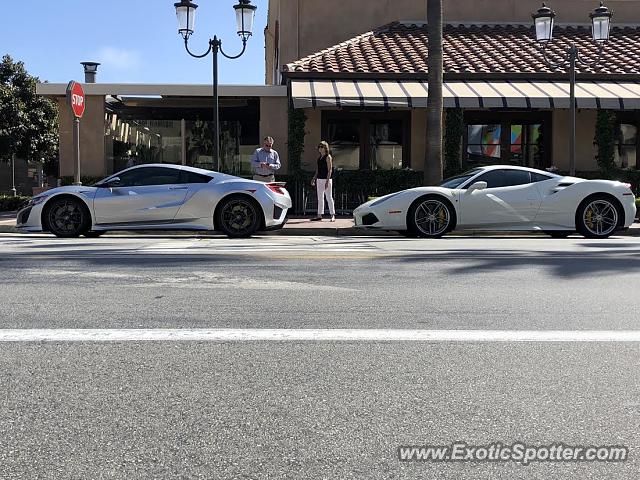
(559, 264)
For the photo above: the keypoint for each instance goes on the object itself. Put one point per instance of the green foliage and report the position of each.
(64, 181)
(364, 183)
(454, 129)
(28, 123)
(605, 142)
(295, 146)
(9, 203)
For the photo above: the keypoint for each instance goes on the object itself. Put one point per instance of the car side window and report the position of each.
(192, 177)
(505, 178)
(147, 176)
(538, 177)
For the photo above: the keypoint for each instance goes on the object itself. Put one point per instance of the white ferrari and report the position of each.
(504, 197)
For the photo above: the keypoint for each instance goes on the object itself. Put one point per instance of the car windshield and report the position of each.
(455, 182)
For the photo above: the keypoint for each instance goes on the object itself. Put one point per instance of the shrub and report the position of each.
(87, 181)
(9, 203)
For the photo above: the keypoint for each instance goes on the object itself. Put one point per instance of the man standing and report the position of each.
(265, 161)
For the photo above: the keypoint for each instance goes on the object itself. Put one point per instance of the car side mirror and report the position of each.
(477, 186)
(113, 182)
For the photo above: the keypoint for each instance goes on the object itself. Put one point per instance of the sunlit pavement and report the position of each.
(313, 408)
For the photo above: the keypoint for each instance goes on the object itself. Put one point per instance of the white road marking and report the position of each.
(313, 335)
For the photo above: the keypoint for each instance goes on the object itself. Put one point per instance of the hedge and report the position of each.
(9, 203)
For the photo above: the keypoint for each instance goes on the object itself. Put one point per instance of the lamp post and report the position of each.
(186, 13)
(543, 21)
(14, 192)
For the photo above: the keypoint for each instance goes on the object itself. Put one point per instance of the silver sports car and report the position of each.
(159, 196)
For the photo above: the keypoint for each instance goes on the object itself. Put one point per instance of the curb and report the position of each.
(333, 232)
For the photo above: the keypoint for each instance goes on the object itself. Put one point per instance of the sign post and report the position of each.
(76, 100)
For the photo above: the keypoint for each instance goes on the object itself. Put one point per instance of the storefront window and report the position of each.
(626, 146)
(368, 140)
(385, 143)
(516, 138)
(135, 141)
(525, 144)
(344, 139)
(483, 144)
(148, 132)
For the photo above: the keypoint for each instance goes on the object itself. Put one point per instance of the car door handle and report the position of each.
(179, 188)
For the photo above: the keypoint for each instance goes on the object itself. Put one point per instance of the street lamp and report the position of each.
(543, 21)
(186, 15)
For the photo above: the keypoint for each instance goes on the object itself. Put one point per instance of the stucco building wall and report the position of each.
(92, 152)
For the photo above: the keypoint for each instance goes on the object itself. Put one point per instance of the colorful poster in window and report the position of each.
(484, 140)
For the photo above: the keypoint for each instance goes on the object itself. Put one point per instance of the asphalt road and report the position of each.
(313, 409)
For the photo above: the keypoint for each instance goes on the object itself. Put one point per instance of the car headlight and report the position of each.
(36, 200)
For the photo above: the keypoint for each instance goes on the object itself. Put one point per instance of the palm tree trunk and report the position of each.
(433, 156)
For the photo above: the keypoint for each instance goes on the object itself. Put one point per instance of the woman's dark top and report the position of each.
(323, 167)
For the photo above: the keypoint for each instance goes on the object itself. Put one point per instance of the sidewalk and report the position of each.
(303, 226)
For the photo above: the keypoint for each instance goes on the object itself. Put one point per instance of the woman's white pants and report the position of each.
(325, 193)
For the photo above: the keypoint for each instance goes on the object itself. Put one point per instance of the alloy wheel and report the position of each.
(238, 217)
(600, 217)
(66, 218)
(432, 217)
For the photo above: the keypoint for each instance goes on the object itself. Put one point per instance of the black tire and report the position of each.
(598, 216)
(238, 216)
(94, 234)
(430, 217)
(67, 217)
(558, 233)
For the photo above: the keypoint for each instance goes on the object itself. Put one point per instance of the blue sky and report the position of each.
(135, 40)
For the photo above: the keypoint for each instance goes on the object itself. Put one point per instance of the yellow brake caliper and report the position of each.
(589, 219)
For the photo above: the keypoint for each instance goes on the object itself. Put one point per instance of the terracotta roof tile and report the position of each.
(487, 49)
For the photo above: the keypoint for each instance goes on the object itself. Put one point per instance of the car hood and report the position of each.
(78, 189)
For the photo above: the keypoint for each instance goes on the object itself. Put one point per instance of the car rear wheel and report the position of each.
(67, 217)
(597, 217)
(430, 217)
(238, 217)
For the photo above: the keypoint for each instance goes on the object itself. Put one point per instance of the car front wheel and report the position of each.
(430, 217)
(597, 217)
(67, 217)
(238, 217)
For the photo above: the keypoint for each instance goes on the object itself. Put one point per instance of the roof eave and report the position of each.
(459, 76)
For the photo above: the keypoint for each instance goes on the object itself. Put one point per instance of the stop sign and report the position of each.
(76, 98)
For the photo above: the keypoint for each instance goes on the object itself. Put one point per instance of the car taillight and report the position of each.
(279, 189)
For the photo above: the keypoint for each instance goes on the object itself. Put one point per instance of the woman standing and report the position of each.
(322, 181)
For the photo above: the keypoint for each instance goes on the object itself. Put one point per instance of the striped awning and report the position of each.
(617, 95)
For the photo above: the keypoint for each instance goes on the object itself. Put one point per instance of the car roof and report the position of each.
(516, 167)
(201, 171)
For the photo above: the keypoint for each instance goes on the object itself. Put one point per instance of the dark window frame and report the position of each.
(630, 118)
(365, 118)
(506, 119)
